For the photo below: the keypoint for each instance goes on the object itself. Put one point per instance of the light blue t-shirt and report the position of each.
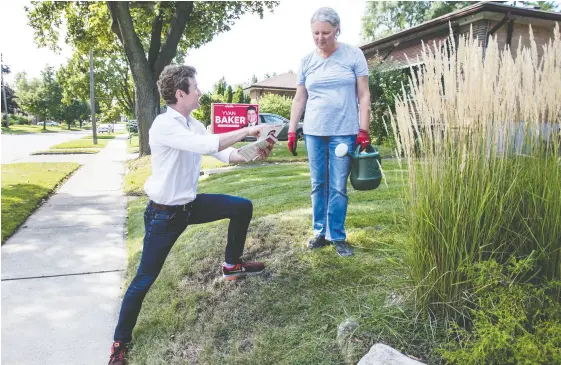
(332, 106)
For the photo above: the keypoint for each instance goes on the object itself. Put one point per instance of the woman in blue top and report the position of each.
(332, 85)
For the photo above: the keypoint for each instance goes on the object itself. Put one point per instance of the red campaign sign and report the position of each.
(231, 117)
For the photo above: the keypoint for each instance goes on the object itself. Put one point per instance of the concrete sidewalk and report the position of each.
(62, 272)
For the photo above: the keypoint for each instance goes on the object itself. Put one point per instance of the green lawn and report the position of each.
(75, 151)
(81, 143)
(140, 169)
(26, 129)
(290, 314)
(24, 185)
(132, 145)
(104, 136)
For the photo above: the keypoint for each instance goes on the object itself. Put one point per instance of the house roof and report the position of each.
(457, 15)
(286, 80)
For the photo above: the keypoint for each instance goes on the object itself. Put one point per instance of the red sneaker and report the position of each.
(118, 352)
(243, 269)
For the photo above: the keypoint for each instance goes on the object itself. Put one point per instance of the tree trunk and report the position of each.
(147, 108)
(145, 71)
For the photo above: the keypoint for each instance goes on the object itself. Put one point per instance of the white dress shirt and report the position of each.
(177, 146)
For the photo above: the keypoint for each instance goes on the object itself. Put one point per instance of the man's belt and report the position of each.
(184, 207)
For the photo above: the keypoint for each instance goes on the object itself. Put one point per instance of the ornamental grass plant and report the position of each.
(478, 129)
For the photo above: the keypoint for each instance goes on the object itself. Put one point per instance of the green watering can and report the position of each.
(366, 173)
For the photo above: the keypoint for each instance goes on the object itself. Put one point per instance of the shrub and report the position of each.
(203, 114)
(276, 104)
(19, 119)
(512, 322)
(384, 82)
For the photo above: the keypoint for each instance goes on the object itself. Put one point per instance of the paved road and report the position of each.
(16, 147)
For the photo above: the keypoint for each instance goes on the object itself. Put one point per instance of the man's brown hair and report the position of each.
(172, 78)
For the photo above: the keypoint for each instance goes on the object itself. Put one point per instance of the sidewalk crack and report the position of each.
(59, 275)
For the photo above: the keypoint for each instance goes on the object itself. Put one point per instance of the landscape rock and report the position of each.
(381, 354)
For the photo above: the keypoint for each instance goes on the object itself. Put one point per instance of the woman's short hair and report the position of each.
(327, 15)
(172, 78)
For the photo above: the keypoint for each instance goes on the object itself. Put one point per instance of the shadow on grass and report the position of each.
(18, 202)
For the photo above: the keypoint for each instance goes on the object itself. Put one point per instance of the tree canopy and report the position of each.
(152, 35)
(382, 18)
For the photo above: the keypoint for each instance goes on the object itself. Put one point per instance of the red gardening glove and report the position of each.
(292, 142)
(363, 139)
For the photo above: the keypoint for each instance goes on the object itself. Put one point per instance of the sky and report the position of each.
(275, 43)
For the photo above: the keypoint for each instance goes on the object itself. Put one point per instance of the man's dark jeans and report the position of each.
(163, 228)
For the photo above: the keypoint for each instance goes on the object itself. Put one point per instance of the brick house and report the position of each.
(508, 23)
(283, 84)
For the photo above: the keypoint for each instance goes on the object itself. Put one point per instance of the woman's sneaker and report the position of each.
(343, 248)
(317, 242)
(242, 269)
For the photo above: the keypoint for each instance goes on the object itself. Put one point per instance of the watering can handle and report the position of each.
(357, 151)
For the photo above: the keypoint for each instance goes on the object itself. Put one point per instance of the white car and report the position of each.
(103, 129)
(52, 124)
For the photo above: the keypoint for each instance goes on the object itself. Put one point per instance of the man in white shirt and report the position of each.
(178, 142)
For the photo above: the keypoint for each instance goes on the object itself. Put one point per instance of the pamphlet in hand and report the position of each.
(270, 132)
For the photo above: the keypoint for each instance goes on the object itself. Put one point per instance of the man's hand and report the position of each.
(235, 157)
(363, 139)
(264, 153)
(256, 130)
(292, 143)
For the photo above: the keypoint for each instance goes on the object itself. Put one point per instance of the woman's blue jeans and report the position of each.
(329, 175)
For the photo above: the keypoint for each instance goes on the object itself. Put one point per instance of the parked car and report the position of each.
(51, 123)
(269, 118)
(132, 126)
(103, 129)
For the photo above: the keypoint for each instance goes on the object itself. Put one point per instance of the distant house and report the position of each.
(508, 23)
(283, 84)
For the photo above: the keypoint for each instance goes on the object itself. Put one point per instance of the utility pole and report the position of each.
(92, 99)
(4, 91)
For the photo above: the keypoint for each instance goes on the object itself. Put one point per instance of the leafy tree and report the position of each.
(41, 97)
(10, 100)
(204, 113)
(76, 111)
(11, 105)
(385, 82)
(238, 96)
(27, 94)
(382, 18)
(220, 86)
(276, 104)
(38, 96)
(111, 114)
(152, 34)
(51, 94)
(254, 79)
(112, 80)
(543, 5)
(229, 94)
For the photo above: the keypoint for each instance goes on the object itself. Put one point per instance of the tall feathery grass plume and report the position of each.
(479, 129)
